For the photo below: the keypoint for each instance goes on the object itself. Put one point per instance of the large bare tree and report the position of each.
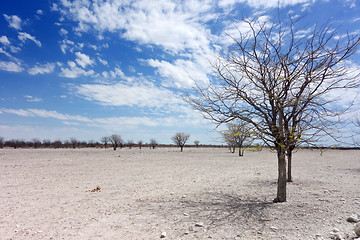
(281, 83)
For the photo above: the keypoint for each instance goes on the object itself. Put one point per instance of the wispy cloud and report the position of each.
(32, 99)
(14, 21)
(262, 3)
(23, 36)
(140, 94)
(44, 113)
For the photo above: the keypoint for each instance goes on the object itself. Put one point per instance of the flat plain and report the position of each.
(204, 193)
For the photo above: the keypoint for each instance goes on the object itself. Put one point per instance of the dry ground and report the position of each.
(53, 194)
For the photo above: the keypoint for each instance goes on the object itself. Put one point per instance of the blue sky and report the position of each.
(88, 69)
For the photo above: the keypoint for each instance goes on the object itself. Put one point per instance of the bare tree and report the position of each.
(280, 84)
(197, 142)
(237, 135)
(140, 143)
(36, 142)
(74, 142)
(46, 143)
(105, 140)
(1, 142)
(180, 139)
(130, 143)
(115, 141)
(153, 143)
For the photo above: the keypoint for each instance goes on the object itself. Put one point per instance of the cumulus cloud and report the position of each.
(42, 69)
(10, 66)
(83, 60)
(4, 40)
(25, 36)
(182, 73)
(67, 44)
(175, 27)
(14, 21)
(75, 72)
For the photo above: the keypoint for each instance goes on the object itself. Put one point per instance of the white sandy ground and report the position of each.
(46, 194)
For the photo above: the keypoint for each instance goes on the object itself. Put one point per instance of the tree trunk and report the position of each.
(289, 157)
(241, 152)
(181, 147)
(281, 187)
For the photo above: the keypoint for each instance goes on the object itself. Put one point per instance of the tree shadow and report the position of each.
(216, 210)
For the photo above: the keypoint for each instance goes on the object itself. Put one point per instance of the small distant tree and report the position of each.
(115, 141)
(130, 143)
(74, 142)
(180, 139)
(36, 142)
(46, 143)
(140, 143)
(1, 142)
(236, 136)
(153, 143)
(197, 142)
(105, 141)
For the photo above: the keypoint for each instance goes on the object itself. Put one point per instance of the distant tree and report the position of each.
(1, 142)
(91, 143)
(130, 143)
(74, 142)
(115, 141)
(46, 143)
(197, 142)
(36, 142)
(153, 143)
(105, 141)
(57, 144)
(180, 139)
(140, 143)
(236, 135)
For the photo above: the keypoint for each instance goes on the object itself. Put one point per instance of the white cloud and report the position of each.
(261, 3)
(10, 66)
(63, 31)
(182, 73)
(83, 60)
(32, 99)
(141, 94)
(24, 36)
(67, 44)
(103, 61)
(5, 53)
(40, 12)
(42, 69)
(4, 40)
(75, 72)
(175, 27)
(14, 21)
(44, 113)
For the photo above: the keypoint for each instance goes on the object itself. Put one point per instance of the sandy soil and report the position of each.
(138, 194)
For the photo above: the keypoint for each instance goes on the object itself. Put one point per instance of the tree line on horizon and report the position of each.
(114, 141)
